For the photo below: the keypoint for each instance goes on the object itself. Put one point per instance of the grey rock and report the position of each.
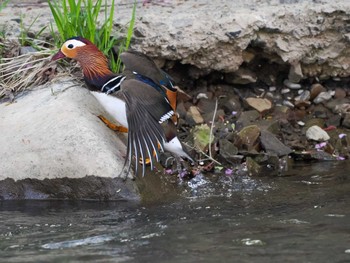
(228, 150)
(272, 145)
(218, 35)
(57, 136)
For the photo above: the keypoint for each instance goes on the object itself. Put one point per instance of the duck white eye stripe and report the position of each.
(75, 43)
(166, 116)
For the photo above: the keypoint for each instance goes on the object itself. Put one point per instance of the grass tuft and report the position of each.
(81, 18)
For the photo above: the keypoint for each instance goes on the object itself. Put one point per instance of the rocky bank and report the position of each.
(275, 73)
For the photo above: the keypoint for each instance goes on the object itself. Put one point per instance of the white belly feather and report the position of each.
(114, 106)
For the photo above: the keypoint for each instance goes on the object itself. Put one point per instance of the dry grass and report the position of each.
(21, 72)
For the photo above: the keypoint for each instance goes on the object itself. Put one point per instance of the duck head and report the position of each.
(92, 61)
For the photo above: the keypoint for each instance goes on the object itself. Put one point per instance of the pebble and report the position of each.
(291, 85)
(324, 96)
(194, 112)
(315, 90)
(288, 104)
(202, 96)
(259, 104)
(346, 120)
(304, 96)
(272, 89)
(339, 93)
(284, 91)
(342, 108)
(316, 133)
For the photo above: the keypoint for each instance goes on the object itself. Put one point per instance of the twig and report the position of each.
(212, 127)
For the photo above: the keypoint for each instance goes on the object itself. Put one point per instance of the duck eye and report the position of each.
(70, 46)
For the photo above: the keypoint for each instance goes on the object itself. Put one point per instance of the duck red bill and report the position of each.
(58, 55)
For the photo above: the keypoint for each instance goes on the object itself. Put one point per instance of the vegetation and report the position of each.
(72, 18)
(3, 4)
(81, 18)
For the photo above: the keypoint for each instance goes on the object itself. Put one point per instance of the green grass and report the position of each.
(3, 4)
(80, 18)
(24, 40)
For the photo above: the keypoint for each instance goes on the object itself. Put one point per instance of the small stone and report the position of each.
(272, 89)
(288, 104)
(195, 114)
(295, 73)
(339, 93)
(334, 120)
(317, 134)
(342, 108)
(304, 96)
(346, 120)
(248, 137)
(324, 96)
(291, 85)
(27, 49)
(241, 76)
(228, 150)
(301, 123)
(247, 118)
(302, 104)
(202, 96)
(260, 104)
(315, 90)
(272, 145)
(285, 90)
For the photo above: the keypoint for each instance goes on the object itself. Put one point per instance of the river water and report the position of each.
(302, 217)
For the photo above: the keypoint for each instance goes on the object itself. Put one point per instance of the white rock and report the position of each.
(324, 96)
(53, 136)
(291, 85)
(316, 133)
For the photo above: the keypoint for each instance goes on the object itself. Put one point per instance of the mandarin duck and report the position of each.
(137, 99)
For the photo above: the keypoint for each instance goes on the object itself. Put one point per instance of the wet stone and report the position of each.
(272, 145)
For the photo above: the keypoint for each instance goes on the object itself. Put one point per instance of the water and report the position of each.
(303, 217)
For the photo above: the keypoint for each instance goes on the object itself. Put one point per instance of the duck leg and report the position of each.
(112, 126)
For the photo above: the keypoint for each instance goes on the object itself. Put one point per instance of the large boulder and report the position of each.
(53, 145)
(311, 38)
